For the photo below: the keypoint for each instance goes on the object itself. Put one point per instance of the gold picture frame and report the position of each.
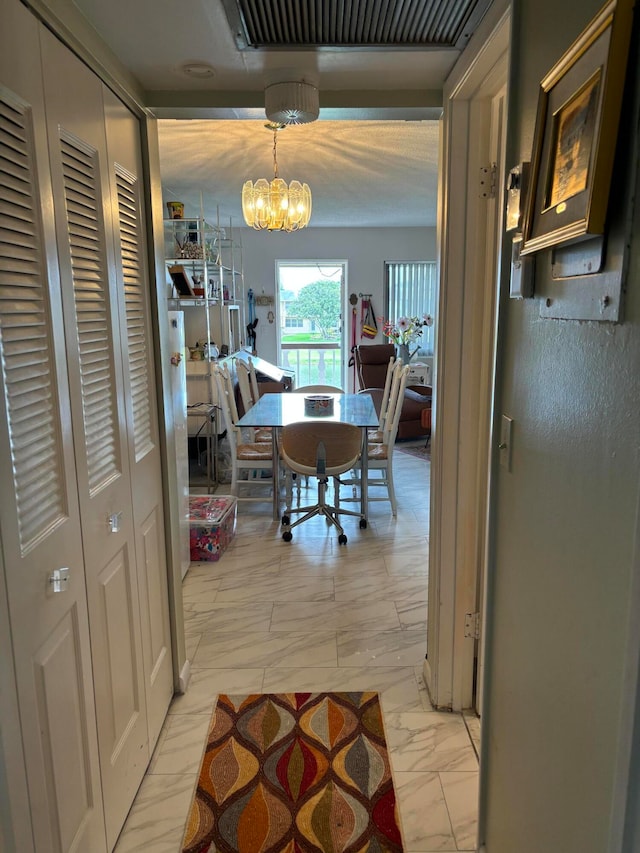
(575, 135)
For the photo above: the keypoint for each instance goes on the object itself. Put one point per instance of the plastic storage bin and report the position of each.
(212, 526)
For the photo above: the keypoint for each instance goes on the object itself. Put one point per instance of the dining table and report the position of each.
(277, 410)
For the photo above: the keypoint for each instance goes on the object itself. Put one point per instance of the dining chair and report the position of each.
(315, 389)
(376, 436)
(263, 434)
(321, 450)
(253, 379)
(318, 389)
(253, 457)
(380, 455)
(248, 382)
(244, 384)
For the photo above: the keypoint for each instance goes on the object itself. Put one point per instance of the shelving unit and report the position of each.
(206, 258)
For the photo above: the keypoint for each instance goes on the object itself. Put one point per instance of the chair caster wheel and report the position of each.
(285, 520)
(342, 539)
(363, 524)
(287, 536)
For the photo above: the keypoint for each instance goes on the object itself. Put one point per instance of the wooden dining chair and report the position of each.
(376, 436)
(248, 382)
(254, 458)
(380, 454)
(253, 379)
(263, 434)
(244, 385)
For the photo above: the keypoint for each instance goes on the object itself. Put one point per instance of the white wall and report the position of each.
(565, 532)
(365, 250)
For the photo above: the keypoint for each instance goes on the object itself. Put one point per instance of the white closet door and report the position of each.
(95, 350)
(123, 148)
(39, 513)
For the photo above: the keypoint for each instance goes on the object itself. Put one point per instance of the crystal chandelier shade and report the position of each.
(275, 205)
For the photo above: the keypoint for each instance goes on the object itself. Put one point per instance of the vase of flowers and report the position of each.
(404, 332)
(404, 353)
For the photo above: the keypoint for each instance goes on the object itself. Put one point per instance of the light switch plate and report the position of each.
(504, 446)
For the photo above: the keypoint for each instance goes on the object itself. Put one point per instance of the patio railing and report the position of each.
(318, 364)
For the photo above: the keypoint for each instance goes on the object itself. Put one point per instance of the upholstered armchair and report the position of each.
(372, 361)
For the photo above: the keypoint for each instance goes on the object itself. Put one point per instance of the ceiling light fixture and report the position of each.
(275, 205)
(291, 103)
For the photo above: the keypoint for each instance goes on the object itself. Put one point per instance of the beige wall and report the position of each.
(565, 534)
(365, 250)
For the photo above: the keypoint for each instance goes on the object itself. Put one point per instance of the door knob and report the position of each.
(114, 521)
(59, 580)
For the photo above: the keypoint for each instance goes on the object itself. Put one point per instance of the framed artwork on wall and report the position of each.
(180, 280)
(574, 144)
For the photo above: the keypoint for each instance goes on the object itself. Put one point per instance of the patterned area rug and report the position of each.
(295, 773)
(415, 449)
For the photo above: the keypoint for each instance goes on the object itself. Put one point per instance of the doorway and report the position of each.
(310, 300)
(473, 134)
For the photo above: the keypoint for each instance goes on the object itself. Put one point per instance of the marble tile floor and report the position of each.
(272, 616)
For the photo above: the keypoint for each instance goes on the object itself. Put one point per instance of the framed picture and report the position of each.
(180, 280)
(575, 135)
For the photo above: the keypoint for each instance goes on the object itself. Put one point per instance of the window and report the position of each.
(411, 291)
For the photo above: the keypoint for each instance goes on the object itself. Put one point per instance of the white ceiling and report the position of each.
(363, 169)
(367, 173)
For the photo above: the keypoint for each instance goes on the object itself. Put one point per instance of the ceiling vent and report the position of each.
(300, 24)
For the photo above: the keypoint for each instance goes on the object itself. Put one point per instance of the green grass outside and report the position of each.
(308, 338)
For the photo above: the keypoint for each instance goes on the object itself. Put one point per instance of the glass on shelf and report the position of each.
(192, 239)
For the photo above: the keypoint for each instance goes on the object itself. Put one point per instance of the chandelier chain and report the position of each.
(275, 158)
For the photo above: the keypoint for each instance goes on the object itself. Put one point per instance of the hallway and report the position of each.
(310, 615)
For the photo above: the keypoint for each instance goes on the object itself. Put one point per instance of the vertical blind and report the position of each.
(412, 292)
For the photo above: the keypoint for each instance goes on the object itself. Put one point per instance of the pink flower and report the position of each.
(405, 330)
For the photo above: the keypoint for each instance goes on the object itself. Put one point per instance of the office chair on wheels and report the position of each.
(321, 450)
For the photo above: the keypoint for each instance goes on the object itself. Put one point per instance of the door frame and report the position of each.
(495, 226)
(465, 352)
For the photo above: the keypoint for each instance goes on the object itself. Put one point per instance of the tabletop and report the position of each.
(278, 410)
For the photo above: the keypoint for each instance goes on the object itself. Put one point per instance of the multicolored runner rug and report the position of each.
(295, 773)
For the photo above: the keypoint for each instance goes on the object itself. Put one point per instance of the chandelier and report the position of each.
(275, 205)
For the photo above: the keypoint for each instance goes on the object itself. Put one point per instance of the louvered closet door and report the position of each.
(95, 348)
(123, 148)
(39, 513)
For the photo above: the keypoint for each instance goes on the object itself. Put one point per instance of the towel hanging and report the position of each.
(369, 325)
